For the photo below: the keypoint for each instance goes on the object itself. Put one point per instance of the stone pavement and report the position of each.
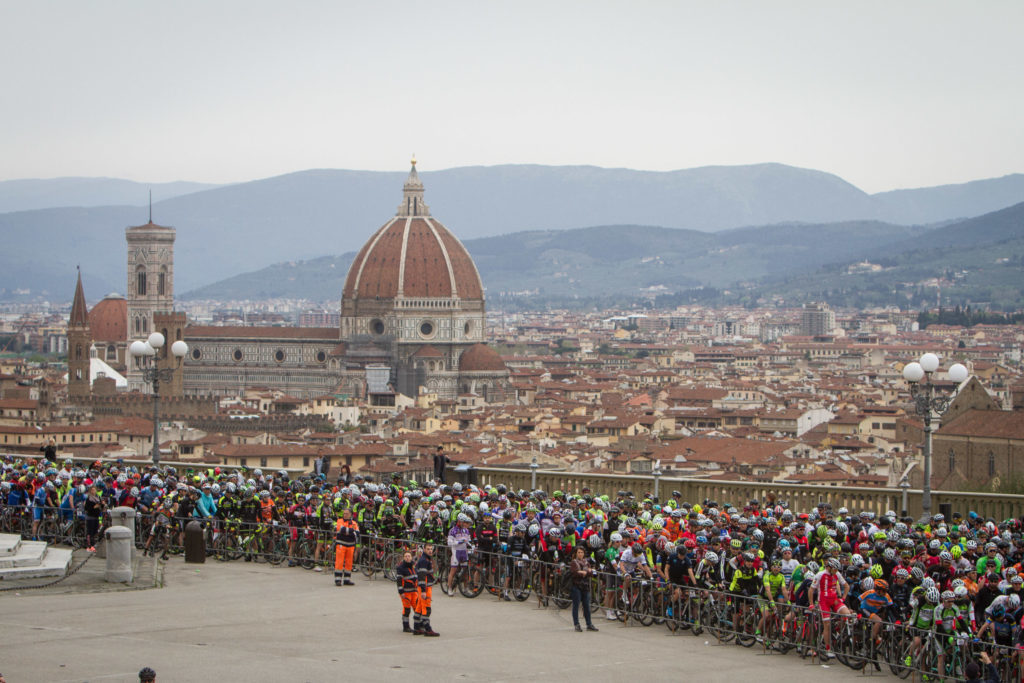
(243, 622)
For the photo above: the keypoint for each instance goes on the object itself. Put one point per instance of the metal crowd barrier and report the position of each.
(726, 617)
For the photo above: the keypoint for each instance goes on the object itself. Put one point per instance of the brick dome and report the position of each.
(108, 320)
(481, 358)
(413, 255)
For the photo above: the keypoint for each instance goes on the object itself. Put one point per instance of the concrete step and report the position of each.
(30, 554)
(55, 562)
(9, 544)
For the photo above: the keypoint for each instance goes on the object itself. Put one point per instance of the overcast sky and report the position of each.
(885, 94)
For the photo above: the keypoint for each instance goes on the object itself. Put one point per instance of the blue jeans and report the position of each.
(580, 595)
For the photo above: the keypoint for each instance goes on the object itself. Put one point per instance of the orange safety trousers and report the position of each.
(424, 601)
(343, 555)
(411, 601)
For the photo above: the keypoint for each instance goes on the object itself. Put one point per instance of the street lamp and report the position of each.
(533, 474)
(145, 352)
(928, 405)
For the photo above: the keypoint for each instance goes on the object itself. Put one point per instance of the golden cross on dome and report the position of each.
(414, 159)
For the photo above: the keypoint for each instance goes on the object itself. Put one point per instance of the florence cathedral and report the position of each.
(413, 317)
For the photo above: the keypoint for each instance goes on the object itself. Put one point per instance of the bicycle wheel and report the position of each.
(471, 581)
(747, 624)
(520, 583)
(644, 606)
(848, 642)
(305, 550)
(276, 548)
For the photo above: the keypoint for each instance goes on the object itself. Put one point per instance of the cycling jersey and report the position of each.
(628, 562)
(773, 585)
(873, 602)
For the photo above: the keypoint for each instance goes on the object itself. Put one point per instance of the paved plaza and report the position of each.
(243, 622)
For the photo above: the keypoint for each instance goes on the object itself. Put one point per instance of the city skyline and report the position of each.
(885, 97)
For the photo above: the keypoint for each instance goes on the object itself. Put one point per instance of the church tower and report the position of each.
(79, 343)
(150, 287)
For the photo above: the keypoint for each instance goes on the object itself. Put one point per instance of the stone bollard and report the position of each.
(119, 542)
(125, 516)
(195, 543)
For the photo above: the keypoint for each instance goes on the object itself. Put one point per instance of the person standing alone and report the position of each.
(580, 571)
(346, 535)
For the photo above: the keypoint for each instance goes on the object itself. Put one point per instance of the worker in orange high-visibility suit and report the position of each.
(425, 582)
(346, 535)
(409, 592)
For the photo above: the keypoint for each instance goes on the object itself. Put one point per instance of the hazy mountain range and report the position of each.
(235, 229)
(621, 263)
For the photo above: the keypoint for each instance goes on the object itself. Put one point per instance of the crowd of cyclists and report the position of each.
(829, 582)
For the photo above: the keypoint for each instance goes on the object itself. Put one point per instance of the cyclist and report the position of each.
(747, 580)
(948, 625)
(460, 539)
(922, 619)
(829, 590)
(631, 560)
(774, 589)
(874, 604)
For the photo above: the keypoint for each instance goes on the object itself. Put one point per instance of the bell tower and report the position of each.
(79, 343)
(150, 287)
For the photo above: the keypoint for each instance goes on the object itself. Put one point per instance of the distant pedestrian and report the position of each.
(440, 463)
(318, 463)
(50, 450)
(146, 675)
(345, 475)
(93, 508)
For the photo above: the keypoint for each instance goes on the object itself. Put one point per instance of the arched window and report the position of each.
(78, 352)
(140, 281)
(161, 281)
(952, 460)
(991, 464)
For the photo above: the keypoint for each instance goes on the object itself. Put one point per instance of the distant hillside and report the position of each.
(978, 260)
(234, 229)
(25, 195)
(604, 261)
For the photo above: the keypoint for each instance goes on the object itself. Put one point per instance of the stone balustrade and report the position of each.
(800, 497)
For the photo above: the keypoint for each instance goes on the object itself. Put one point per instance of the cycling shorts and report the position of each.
(37, 514)
(829, 604)
(459, 557)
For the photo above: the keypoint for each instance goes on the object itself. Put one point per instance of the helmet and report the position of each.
(889, 554)
(748, 557)
(616, 537)
(736, 543)
(812, 567)
(710, 558)
(932, 595)
(534, 530)
(876, 571)
(834, 563)
(917, 573)
(927, 582)
(463, 518)
(867, 583)
(902, 573)
(947, 595)
(945, 556)
(555, 531)
(595, 541)
(960, 592)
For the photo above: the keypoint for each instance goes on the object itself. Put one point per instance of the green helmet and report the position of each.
(876, 571)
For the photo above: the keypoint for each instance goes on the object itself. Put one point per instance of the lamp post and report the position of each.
(929, 405)
(533, 474)
(145, 353)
